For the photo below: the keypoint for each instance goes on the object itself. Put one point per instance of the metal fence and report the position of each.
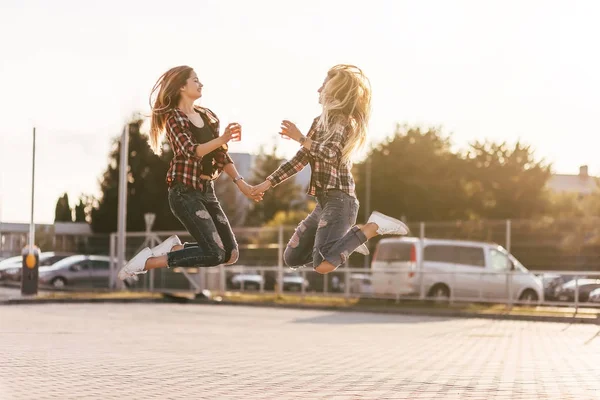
(555, 288)
(543, 244)
(547, 247)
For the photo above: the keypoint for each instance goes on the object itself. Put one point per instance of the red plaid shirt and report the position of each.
(186, 166)
(327, 169)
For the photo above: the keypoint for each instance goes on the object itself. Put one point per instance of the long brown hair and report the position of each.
(167, 98)
(346, 99)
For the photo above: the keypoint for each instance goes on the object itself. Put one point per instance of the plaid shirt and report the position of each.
(327, 169)
(186, 167)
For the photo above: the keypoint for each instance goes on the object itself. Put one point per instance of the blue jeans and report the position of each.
(201, 214)
(327, 234)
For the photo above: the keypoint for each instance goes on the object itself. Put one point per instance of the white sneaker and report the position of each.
(388, 225)
(166, 246)
(136, 264)
(362, 249)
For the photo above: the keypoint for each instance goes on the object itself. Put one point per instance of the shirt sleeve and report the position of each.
(289, 168)
(179, 136)
(222, 157)
(331, 149)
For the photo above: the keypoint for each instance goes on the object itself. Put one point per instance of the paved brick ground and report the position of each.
(160, 351)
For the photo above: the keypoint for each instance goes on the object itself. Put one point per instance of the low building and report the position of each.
(582, 183)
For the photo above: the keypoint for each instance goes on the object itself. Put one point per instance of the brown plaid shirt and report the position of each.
(186, 166)
(327, 169)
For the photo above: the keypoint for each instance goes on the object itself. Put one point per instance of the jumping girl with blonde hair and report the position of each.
(199, 157)
(328, 235)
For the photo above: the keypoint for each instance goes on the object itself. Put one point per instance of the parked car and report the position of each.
(252, 280)
(582, 286)
(552, 281)
(79, 271)
(594, 296)
(463, 269)
(10, 269)
(361, 283)
(293, 282)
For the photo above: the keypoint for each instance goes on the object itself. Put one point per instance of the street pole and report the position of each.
(31, 254)
(122, 222)
(32, 225)
(367, 198)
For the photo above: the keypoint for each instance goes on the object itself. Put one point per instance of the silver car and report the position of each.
(79, 271)
(10, 269)
(595, 296)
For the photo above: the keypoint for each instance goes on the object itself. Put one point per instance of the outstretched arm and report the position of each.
(328, 151)
(244, 187)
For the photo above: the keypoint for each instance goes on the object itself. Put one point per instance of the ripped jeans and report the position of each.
(327, 234)
(201, 214)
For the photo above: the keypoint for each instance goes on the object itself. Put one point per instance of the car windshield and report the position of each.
(11, 261)
(516, 263)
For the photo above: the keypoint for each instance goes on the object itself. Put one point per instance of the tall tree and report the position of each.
(415, 175)
(146, 189)
(506, 182)
(284, 197)
(80, 213)
(63, 212)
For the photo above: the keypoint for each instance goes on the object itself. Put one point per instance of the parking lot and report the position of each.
(162, 351)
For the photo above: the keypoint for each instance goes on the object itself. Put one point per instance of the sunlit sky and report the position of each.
(76, 70)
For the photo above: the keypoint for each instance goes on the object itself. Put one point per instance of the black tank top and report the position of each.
(204, 135)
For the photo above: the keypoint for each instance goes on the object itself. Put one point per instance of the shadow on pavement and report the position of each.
(352, 318)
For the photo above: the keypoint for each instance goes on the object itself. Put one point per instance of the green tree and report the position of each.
(506, 182)
(63, 212)
(415, 175)
(146, 189)
(82, 209)
(284, 197)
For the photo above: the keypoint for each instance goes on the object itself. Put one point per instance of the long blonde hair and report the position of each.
(167, 98)
(346, 99)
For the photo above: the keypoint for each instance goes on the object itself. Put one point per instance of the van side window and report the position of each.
(439, 253)
(499, 261)
(470, 256)
(455, 255)
(389, 252)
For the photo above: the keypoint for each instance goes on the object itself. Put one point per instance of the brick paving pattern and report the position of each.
(165, 351)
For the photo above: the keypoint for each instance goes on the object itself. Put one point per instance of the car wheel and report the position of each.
(59, 283)
(440, 292)
(529, 296)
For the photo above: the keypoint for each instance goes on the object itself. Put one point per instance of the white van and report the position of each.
(459, 269)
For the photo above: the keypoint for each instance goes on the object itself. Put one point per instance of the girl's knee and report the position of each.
(235, 255)
(325, 267)
(288, 256)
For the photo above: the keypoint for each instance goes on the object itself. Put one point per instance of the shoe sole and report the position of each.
(394, 220)
(365, 253)
(129, 275)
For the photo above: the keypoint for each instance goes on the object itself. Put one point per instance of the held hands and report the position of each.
(247, 190)
(290, 130)
(261, 188)
(233, 132)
